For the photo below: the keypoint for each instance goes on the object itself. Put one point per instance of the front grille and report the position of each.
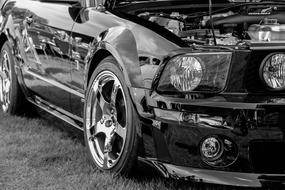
(267, 157)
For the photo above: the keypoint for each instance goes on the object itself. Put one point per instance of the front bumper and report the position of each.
(218, 177)
(258, 135)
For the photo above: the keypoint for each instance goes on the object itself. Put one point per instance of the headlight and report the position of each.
(272, 71)
(197, 72)
(187, 74)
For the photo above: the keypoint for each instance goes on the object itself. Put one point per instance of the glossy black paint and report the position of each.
(47, 48)
(198, 175)
(57, 47)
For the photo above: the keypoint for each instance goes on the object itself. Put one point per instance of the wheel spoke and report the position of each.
(121, 131)
(107, 150)
(114, 92)
(2, 74)
(6, 64)
(6, 97)
(101, 100)
(100, 128)
(106, 160)
(7, 86)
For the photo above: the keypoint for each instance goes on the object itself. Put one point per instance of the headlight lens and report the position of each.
(273, 71)
(187, 74)
(197, 72)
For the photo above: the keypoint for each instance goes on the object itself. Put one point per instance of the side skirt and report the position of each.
(66, 116)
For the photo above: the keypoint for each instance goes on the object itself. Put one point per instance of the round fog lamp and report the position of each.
(186, 74)
(272, 71)
(211, 148)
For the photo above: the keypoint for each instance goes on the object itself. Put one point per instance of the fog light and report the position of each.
(211, 148)
(218, 151)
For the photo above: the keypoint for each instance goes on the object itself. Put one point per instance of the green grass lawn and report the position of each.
(35, 154)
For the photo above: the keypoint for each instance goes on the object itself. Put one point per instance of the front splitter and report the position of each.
(216, 176)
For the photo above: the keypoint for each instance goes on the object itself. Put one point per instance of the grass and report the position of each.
(34, 154)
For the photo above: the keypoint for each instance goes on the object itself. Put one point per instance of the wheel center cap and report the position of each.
(108, 123)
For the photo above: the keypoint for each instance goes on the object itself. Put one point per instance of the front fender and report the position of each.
(7, 29)
(121, 43)
(11, 30)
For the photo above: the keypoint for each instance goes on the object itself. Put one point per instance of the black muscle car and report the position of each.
(194, 88)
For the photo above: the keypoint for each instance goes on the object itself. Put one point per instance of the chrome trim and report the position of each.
(57, 84)
(208, 53)
(58, 112)
(268, 48)
(210, 176)
(40, 100)
(195, 119)
(231, 179)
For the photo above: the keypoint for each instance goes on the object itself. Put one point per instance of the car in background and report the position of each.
(194, 88)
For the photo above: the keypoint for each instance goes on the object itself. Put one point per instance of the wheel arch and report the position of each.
(97, 58)
(100, 55)
(120, 43)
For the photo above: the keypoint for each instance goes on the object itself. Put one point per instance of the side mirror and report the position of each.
(74, 11)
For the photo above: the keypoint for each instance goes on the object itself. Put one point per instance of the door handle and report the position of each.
(29, 20)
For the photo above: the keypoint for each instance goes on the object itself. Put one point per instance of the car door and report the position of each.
(82, 39)
(48, 28)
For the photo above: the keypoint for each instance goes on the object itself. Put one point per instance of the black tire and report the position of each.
(128, 152)
(15, 99)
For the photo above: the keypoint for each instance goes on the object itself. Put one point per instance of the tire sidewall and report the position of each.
(14, 91)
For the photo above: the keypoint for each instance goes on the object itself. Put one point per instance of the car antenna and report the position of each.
(211, 19)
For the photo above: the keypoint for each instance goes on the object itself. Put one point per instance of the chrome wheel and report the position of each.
(5, 81)
(106, 119)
